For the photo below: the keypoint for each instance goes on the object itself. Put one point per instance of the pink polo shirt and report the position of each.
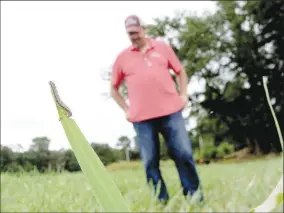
(151, 89)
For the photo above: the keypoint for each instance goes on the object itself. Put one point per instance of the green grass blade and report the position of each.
(104, 188)
(272, 200)
(272, 112)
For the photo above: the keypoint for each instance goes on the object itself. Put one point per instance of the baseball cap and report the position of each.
(133, 23)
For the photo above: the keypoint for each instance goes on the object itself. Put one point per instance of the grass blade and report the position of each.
(272, 200)
(104, 188)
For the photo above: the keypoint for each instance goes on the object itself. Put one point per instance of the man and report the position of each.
(155, 105)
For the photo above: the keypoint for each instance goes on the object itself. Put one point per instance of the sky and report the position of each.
(69, 43)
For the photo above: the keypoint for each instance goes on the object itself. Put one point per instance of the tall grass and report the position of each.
(228, 187)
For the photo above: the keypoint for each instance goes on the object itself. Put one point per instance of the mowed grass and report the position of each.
(228, 187)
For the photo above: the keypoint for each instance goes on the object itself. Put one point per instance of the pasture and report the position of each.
(228, 187)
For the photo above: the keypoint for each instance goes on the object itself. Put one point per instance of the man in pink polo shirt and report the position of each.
(155, 105)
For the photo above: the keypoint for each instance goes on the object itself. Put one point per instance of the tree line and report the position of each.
(41, 159)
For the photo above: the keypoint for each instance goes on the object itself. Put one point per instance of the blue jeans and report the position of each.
(172, 127)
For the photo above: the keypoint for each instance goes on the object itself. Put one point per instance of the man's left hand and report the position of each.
(184, 98)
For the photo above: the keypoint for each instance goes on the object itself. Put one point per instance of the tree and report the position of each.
(228, 51)
(39, 153)
(71, 164)
(40, 144)
(253, 60)
(57, 160)
(269, 15)
(7, 157)
(105, 153)
(124, 142)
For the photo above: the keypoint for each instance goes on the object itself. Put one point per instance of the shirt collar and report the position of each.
(150, 42)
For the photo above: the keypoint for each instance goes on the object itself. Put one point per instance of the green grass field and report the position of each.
(228, 187)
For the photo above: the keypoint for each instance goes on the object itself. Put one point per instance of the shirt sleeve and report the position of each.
(117, 74)
(173, 62)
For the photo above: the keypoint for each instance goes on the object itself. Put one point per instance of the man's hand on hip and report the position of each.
(127, 114)
(184, 98)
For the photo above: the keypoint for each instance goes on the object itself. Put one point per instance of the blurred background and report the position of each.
(226, 47)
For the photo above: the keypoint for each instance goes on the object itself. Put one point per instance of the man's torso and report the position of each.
(151, 90)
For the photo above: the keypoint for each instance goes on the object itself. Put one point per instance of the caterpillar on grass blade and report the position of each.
(104, 188)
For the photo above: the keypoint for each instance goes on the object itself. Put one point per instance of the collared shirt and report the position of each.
(151, 90)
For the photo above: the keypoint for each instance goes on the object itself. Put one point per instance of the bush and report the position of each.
(208, 152)
(28, 167)
(13, 168)
(196, 155)
(224, 149)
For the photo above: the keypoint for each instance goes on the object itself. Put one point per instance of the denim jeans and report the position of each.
(172, 127)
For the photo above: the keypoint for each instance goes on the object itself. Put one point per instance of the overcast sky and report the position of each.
(69, 43)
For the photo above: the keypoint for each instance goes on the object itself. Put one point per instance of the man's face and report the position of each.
(136, 37)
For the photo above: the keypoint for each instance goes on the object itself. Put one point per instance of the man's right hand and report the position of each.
(127, 115)
(120, 101)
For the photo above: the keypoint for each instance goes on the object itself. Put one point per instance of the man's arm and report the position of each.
(118, 98)
(182, 80)
(176, 65)
(117, 76)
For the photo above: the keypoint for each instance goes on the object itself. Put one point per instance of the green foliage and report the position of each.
(230, 51)
(71, 162)
(106, 153)
(124, 142)
(163, 148)
(196, 155)
(209, 151)
(224, 149)
(280, 198)
(28, 167)
(13, 167)
(40, 144)
(45, 160)
(7, 157)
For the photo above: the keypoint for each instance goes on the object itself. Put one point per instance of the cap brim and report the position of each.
(133, 29)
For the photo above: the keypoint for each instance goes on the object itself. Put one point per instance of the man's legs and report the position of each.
(180, 150)
(148, 142)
